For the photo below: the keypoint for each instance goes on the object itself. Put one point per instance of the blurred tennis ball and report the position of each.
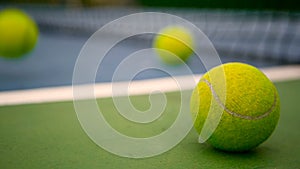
(250, 110)
(18, 33)
(174, 44)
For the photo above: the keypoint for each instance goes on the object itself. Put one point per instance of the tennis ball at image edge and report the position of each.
(175, 39)
(18, 33)
(251, 110)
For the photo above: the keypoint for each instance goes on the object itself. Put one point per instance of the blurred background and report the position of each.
(217, 4)
(263, 33)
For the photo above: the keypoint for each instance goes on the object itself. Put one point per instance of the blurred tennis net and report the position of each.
(267, 35)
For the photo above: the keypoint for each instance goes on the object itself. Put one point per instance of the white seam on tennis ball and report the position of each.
(216, 97)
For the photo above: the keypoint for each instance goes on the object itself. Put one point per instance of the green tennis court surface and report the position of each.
(50, 136)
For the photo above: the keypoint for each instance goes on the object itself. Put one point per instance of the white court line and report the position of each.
(102, 90)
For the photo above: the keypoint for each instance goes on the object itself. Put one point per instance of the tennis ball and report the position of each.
(249, 112)
(173, 44)
(18, 33)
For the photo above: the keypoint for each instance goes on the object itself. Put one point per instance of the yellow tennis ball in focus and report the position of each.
(18, 33)
(174, 44)
(251, 109)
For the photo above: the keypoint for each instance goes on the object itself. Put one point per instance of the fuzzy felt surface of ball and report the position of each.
(249, 102)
